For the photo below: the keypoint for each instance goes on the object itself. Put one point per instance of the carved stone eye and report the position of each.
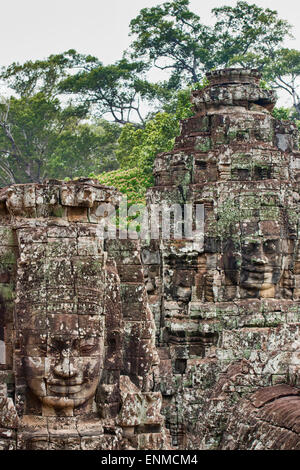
(87, 348)
(250, 247)
(270, 246)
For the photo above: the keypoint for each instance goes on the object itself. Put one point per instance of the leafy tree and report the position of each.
(45, 75)
(284, 114)
(107, 134)
(42, 134)
(84, 150)
(39, 139)
(138, 147)
(171, 37)
(283, 72)
(245, 29)
(133, 182)
(115, 89)
(27, 126)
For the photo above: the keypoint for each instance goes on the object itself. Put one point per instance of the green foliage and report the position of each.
(247, 29)
(172, 32)
(113, 89)
(283, 114)
(287, 114)
(44, 75)
(179, 103)
(42, 134)
(107, 134)
(28, 127)
(39, 139)
(280, 68)
(140, 146)
(200, 85)
(133, 182)
(79, 151)
(283, 72)
(265, 85)
(171, 37)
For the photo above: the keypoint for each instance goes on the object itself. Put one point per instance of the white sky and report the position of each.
(34, 29)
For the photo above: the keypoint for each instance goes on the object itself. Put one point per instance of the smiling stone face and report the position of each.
(77, 325)
(262, 263)
(256, 260)
(60, 312)
(67, 373)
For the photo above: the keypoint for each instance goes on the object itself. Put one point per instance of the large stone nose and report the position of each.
(259, 257)
(260, 260)
(65, 368)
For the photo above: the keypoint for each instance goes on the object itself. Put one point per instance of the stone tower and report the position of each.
(228, 309)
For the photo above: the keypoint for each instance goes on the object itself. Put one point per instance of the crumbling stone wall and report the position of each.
(228, 308)
(80, 361)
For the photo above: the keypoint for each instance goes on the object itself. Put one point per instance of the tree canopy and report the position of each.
(172, 37)
(113, 89)
(71, 115)
(39, 139)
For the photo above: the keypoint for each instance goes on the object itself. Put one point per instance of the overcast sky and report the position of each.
(34, 29)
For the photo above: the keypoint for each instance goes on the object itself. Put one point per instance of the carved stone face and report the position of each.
(261, 262)
(258, 265)
(63, 371)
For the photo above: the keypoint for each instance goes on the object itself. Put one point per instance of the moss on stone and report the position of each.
(203, 144)
(58, 211)
(7, 292)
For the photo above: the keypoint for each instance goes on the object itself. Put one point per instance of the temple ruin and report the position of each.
(178, 343)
